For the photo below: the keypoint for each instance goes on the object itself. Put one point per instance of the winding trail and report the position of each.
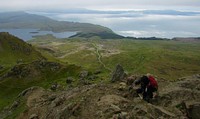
(99, 58)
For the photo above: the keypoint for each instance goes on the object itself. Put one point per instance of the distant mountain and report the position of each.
(189, 39)
(14, 50)
(18, 20)
(102, 35)
(147, 38)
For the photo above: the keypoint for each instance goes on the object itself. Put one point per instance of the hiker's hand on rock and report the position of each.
(155, 95)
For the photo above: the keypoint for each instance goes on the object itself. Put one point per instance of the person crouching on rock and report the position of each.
(148, 86)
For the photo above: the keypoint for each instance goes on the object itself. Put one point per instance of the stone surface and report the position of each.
(118, 74)
(69, 80)
(14, 105)
(122, 86)
(34, 116)
(83, 74)
(193, 109)
(106, 101)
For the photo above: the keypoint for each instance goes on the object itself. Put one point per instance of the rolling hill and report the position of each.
(14, 50)
(21, 66)
(165, 58)
(70, 78)
(20, 20)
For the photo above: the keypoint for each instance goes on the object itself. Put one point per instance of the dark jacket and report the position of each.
(147, 82)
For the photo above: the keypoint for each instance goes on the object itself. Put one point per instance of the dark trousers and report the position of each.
(147, 94)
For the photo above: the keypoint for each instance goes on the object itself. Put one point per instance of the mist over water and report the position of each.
(164, 23)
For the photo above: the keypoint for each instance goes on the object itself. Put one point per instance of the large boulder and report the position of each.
(83, 75)
(118, 74)
(69, 80)
(184, 90)
(192, 109)
(111, 105)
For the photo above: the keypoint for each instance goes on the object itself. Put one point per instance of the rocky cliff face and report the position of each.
(114, 100)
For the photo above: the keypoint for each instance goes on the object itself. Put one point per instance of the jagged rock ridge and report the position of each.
(111, 101)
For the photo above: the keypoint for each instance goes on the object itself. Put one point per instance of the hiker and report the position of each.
(148, 86)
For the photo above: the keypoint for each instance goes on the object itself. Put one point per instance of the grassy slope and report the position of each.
(13, 49)
(45, 77)
(167, 59)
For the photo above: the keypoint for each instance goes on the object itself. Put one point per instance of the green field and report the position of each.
(164, 58)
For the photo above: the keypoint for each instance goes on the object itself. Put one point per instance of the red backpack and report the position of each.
(153, 82)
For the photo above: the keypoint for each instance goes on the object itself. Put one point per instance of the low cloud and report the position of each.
(97, 4)
(136, 17)
(140, 24)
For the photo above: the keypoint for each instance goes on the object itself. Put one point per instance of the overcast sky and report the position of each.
(10, 5)
(169, 18)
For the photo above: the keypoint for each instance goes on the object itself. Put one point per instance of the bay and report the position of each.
(28, 34)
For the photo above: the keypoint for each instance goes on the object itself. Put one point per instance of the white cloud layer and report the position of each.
(160, 18)
(97, 4)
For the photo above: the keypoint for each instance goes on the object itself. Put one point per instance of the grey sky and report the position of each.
(98, 4)
(138, 18)
(139, 24)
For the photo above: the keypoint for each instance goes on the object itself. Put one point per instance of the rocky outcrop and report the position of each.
(54, 86)
(69, 80)
(184, 90)
(27, 91)
(32, 69)
(111, 99)
(118, 74)
(41, 64)
(107, 101)
(86, 77)
(20, 71)
(83, 75)
(193, 110)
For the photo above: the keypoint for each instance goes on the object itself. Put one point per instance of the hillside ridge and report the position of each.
(23, 20)
(14, 50)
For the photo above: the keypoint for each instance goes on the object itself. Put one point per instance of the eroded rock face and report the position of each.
(20, 71)
(27, 91)
(111, 99)
(192, 109)
(118, 74)
(107, 101)
(41, 64)
(184, 90)
(32, 69)
(83, 75)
